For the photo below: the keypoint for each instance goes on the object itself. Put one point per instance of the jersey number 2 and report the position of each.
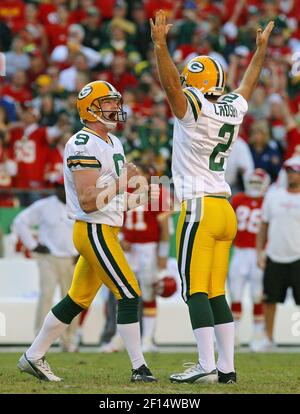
(219, 165)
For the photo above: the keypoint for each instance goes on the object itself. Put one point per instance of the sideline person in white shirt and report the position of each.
(278, 245)
(54, 252)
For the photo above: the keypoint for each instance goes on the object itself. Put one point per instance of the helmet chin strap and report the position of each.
(109, 125)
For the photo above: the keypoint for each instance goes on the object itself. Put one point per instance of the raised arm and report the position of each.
(168, 73)
(252, 73)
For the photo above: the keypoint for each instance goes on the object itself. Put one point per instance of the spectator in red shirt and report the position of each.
(118, 75)
(81, 13)
(7, 165)
(57, 32)
(30, 145)
(33, 31)
(293, 132)
(278, 48)
(17, 88)
(106, 7)
(152, 6)
(37, 66)
(49, 12)
(12, 12)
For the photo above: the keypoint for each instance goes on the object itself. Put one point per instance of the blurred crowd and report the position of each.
(52, 49)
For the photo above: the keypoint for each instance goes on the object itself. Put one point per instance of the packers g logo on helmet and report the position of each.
(205, 74)
(85, 91)
(195, 66)
(90, 100)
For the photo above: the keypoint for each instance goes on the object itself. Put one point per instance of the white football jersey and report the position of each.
(86, 150)
(202, 142)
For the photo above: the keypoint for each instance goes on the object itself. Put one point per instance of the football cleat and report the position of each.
(262, 345)
(142, 374)
(39, 369)
(229, 378)
(195, 373)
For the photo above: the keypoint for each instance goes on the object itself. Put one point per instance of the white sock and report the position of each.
(149, 326)
(225, 345)
(205, 344)
(237, 324)
(131, 335)
(51, 329)
(259, 327)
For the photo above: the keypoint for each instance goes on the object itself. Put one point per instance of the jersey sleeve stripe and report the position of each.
(95, 162)
(83, 161)
(190, 98)
(84, 165)
(82, 157)
(199, 104)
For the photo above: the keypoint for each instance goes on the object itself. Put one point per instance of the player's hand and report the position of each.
(261, 260)
(262, 37)
(128, 171)
(159, 29)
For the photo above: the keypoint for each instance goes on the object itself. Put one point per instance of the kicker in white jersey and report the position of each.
(202, 142)
(85, 150)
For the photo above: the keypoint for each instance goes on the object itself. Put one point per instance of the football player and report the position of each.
(243, 266)
(96, 179)
(205, 128)
(145, 240)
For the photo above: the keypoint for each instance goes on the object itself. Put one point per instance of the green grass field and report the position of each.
(86, 373)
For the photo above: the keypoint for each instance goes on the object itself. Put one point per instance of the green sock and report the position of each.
(66, 310)
(221, 310)
(200, 311)
(128, 310)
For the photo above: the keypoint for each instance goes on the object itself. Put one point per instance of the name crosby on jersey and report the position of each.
(224, 109)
